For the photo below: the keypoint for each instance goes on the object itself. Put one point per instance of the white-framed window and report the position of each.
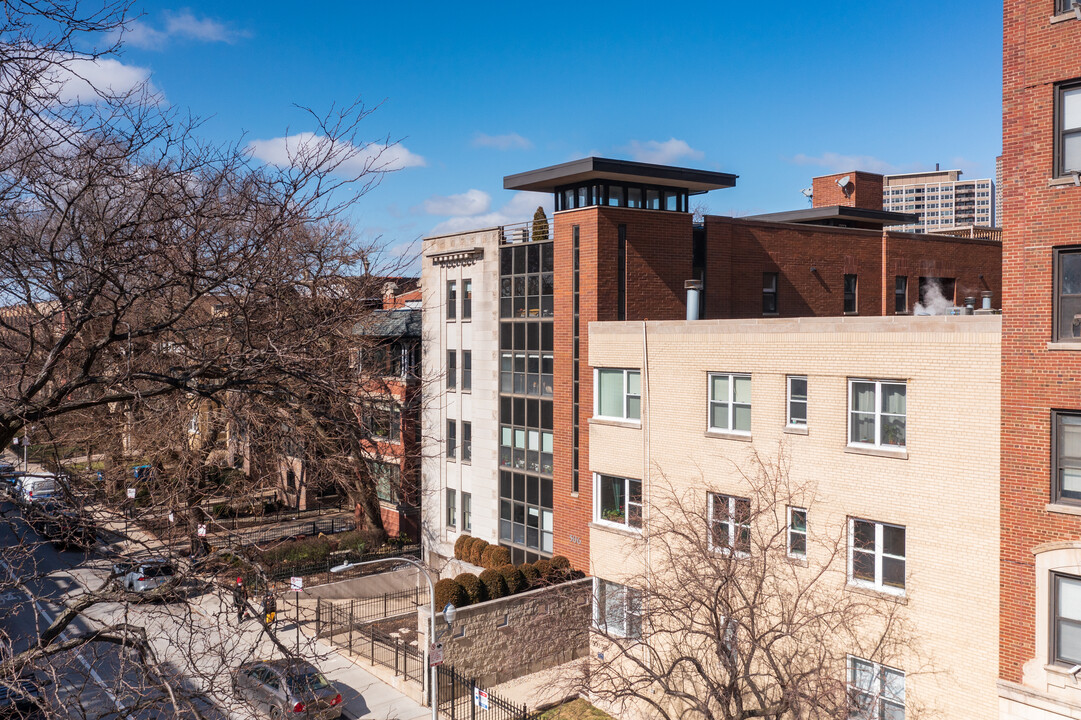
(617, 501)
(875, 692)
(797, 401)
(1066, 629)
(467, 512)
(876, 410)
(617, 609)
(452, 508)
(730, 403)
(617, 394)
(452, 299)
(797, 532)
(876, 555)
(729, 523)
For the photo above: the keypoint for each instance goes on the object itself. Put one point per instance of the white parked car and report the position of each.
(143, 575)
(30, 488)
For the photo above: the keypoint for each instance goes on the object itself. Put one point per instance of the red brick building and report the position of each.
(1040, 602)
(624, 247)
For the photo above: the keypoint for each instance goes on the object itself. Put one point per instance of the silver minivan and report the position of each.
(286, 689)
(30, 488)
(145, 575)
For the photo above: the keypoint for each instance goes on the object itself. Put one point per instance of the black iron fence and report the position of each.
(334, 616)
(460, 698)
(349, 625)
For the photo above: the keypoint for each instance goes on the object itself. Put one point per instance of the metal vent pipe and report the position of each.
(694, 298)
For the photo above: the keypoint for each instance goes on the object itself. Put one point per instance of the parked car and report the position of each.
(288, 689)
(7, 470)
(33, 487)
(21, 699)
(143, 575)
(38, 515)
(70, 528)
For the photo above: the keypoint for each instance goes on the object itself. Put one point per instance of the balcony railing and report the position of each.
(526, 232)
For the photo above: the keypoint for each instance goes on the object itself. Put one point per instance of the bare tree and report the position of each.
(732, 619)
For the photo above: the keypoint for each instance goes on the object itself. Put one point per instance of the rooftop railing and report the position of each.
(526, 232)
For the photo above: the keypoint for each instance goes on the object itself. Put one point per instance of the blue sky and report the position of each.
(773, 92)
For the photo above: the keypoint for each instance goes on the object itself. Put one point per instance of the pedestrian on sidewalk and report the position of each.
(270, 608)
(240, 599)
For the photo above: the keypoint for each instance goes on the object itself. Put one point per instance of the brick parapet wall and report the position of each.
(864, 190)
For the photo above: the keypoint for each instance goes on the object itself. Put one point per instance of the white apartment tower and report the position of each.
(942, 200)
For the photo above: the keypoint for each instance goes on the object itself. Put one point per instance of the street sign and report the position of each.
(435, 657)
(131, 493)
(202, 531)
(296, 584)
(480, 698)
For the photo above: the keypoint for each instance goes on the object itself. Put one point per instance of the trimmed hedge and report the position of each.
(514, 578)
(495, 557)
(477, 550)
(476, 590)
(461, 551)
(495, 584)
(561, 563)
(450, 591)
(530, 573)
(544, 569)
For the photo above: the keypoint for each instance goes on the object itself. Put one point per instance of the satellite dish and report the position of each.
(807, 192)
(843, 182)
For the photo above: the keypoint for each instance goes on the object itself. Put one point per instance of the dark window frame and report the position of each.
(1063, 6)
(452, 300)
(467, 299)
(900, 295)
(851, 297)
(769, 293)
(467, 370)
(1056, 483)
(452, 438)
(1056, 619)
(1057, 295)
(452, 369)
(467, 441)
(1061, 132)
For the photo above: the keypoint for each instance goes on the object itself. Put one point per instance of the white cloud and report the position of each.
(471, 202)
(835, 162)
(662, 153)
(86, 79)
(510, 141)
(183, 25)
(519, 208)
(308, 149)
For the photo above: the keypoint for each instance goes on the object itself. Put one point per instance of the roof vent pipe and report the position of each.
(694, 297)
(986, 296)
(970, 305)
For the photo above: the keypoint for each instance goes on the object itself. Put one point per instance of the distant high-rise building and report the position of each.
(941, 199)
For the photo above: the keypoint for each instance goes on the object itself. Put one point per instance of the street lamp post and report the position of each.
(433, 682)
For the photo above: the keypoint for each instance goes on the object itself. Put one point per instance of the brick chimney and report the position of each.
(863, 190)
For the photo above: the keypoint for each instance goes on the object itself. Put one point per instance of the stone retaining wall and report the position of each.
(504, 639)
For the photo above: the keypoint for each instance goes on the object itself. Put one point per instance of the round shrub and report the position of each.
(476, 550)
(529, 572)
(561, 563)
(460, 553)
(514, 578)
(450, 591)
(495, 584)
(497, 557)
(476, 590)
(544, 569)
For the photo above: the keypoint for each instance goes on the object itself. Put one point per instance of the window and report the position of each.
(1068, 129)
(877, 413)
(797, 401)
(618, 501)
(383, 422)
(452, 440)
(876, 555)
(467, 441)
(900, 295)
(730, 403)
(850, 293)
(729, 523)
(452, 507)
(387, 479)
(467, 299)
(618, 394)
(875, 692)
(1066, 458)
(617, 609)
(797, 532)
(1067, 291)
(452, 369)
(1063, 6)
(467, 512)
(467, 370)
(1066, 631)
(452, 299)
(769, 293)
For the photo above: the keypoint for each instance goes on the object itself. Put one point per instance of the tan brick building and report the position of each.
(894, 421)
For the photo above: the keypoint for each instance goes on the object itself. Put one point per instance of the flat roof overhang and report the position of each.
(839, 214)
(595, 168)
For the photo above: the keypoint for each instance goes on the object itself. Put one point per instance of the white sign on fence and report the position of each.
(435, 654)
(131, 493)
(202, 531)
(296, 584)
(172, 518)
(480, 698)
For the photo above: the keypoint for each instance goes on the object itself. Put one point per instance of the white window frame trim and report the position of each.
(877, 444)
(788, 403)
(730, 430)
(626, 396)
(602, 624)
(877, 672)
(788, 533)
(597, 517)
(731, 523)
(877, 585)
